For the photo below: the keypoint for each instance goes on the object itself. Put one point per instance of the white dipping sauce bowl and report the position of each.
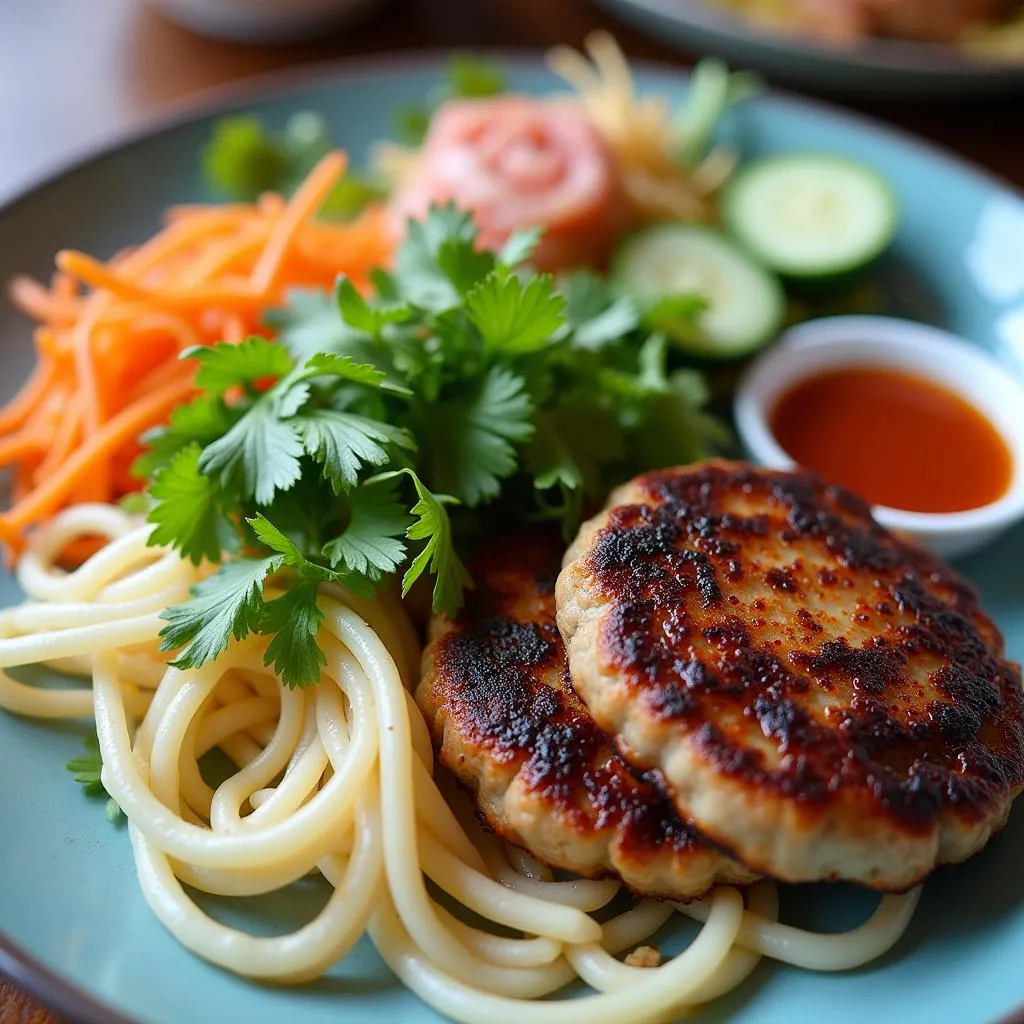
(890, 344)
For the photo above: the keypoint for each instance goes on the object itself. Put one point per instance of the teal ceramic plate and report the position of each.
(874, 67)
(70, 911)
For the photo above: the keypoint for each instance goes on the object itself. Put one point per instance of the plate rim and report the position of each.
(18, 966)
(920, 60)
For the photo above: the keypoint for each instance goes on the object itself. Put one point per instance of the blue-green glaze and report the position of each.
(68, 893)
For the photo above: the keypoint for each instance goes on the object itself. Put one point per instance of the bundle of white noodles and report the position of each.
(337, 779)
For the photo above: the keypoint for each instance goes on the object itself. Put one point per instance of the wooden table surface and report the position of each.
(113, 63)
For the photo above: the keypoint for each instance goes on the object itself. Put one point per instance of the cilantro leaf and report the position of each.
(362, 317)
(135, 503)
(201, 421)
(344, 368)
(186, 510)
(309, 324)
(463, 264)
(597, 317)
(223, 366)
(676, 315)
(260, 449)
(514, 319)
(411, 124)
(466, 77)
(227, 604)
(370, 545)
(351, 194)
(343, 443)
(672, 428)
(267, 533)
(242, 160)
(438, 555)
(471, 77)
(519, 247)
(570, 442)
(87, 769)
(467, 440)
(440, 245)
(293, 623)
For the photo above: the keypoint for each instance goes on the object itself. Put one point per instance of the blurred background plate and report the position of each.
(72, 918)
(876, 67)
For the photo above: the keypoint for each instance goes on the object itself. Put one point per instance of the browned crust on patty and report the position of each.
(497, 699)
(757, 631)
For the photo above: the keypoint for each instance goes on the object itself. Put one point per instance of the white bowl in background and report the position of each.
(886, 343)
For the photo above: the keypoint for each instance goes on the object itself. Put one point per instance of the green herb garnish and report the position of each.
(467, 78)
(379, 434)
(87, 768)
(244, 158)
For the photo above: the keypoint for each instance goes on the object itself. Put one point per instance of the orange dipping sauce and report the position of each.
(895, 439)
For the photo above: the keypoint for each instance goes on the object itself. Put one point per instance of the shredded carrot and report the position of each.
(125, 427)
(306, 201)
(94, 273)
(109, 333)
(22, 405)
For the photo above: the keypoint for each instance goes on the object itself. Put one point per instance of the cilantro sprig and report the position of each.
(87, 769)
(379, 433)
(244, 157)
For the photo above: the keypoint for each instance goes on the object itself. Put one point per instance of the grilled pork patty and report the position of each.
(497, 698)
(821, 697)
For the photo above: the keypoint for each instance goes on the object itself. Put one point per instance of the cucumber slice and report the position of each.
(745, 302)
(810, 216)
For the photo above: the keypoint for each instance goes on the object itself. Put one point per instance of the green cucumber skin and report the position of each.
(687, 340)
(808, 282)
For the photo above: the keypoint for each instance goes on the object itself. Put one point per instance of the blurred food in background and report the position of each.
(993, 27)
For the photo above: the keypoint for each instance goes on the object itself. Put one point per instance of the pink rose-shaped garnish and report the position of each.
(515, 162)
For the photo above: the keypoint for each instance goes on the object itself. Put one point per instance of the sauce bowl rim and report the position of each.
(888, 342)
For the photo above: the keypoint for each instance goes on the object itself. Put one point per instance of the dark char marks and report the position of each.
(678, 568)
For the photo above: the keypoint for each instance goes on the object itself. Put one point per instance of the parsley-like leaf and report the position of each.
(260, 448)
(186, 510)
(351, 194)
(344, 368)
(224, 366)
(242, 160)
(369, 545)
(514, 319)
(438, 555)
(418, 271)
(463, 264)
(472, 77)
(87, 769)
(519, 247)
(201, 421)
(360, 316)
(227, 604)
(466, 77)
(292, 621)
(598, 318)
(468, 440)
(570, 443)
(343, 443)
(310, 324)
(676, 315)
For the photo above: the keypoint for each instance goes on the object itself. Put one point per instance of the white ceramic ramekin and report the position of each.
(867, 341)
